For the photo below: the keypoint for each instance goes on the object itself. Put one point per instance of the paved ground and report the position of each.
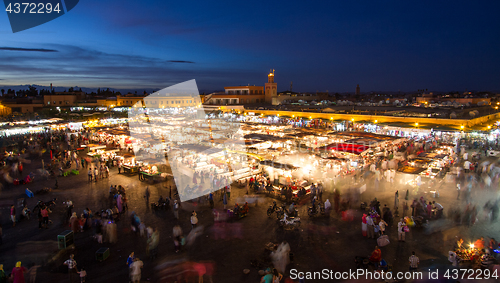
(320, 243)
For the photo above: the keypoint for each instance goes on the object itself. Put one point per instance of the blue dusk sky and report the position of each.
(319, 45)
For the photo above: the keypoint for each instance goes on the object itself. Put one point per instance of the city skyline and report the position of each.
(327, 46)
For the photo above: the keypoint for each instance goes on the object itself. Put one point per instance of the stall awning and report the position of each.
(432, 155)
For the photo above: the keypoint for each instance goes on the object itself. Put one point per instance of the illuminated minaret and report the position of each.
(270, 88)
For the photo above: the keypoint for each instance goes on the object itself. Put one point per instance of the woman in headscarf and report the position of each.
(18, 273)
(3, 276)
(224, 200)
(119, 203)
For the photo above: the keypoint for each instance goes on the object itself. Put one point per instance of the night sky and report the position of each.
(319, 45)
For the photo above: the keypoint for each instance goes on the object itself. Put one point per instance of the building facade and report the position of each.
(243, 95)
(171, 101)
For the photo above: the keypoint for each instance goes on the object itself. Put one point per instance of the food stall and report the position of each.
(148, 173)
(130, 166)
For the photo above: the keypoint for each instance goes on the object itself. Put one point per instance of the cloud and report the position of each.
(27, 49)
(180, 61)
(74, 65)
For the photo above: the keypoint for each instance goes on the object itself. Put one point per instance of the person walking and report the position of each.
(147, 194)
(32, 273)
(13, 215)
(177, 235)
(3, 276)
(176, 209)
(89, 172)
(153, 242)
(72, 271)
(211, 200)
(194, 220)
(45, 217)
(130, 259)
(370, 226)
(224, 200)
(18, 273)
(382, 224)
(376, 257)
(135, 270)
(83, 275)
(414, 261)
(401, 230)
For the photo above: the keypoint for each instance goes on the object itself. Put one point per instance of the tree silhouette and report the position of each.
(32, 91)
(3, 91)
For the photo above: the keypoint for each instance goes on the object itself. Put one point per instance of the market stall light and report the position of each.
(352, 119)
(462, 127)
(376, 121)
(489, 127)
(416, 124)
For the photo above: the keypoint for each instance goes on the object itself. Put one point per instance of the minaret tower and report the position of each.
(271, 88)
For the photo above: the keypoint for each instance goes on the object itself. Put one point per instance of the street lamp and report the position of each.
(462, 127)
(416, 124)
(376, 121)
